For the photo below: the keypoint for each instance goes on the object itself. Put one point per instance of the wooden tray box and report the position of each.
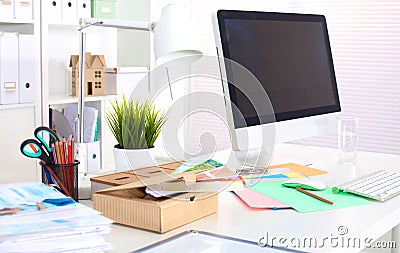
(126, 202)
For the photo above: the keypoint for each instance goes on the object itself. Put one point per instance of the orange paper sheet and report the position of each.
(304, 170)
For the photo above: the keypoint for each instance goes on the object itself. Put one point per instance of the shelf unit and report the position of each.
(55, 41)
(60, 40)
(19, 120)
(17, 21)
(62, 99)
(57, 77)
(14, 106)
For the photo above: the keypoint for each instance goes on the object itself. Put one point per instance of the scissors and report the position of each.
(40, 149)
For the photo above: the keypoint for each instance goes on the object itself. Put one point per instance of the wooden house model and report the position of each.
(94, 74)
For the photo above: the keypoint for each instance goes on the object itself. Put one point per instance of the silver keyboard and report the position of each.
(380, 185)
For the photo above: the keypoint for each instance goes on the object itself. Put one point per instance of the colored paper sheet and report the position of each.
(265, 176)
(304, 170)
(304, 203)
(201, 186)
(257, 200)
(253, 181)
(191, 166)
(220, 172)
(293, 175)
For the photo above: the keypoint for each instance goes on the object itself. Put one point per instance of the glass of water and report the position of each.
(348, 139)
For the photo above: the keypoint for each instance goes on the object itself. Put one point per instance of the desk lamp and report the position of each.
(173, 38)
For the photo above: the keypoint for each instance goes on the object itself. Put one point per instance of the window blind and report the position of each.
(365, 42)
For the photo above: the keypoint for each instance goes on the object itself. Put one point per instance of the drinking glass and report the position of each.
(348, 139)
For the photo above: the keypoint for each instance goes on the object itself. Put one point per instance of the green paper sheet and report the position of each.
(304, 203)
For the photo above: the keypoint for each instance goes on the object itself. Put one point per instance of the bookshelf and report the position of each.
(20, 119)
(61, 39)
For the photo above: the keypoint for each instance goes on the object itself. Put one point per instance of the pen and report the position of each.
(314, 196)
(54, 153)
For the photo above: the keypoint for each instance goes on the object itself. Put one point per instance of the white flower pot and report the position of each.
(131, 159)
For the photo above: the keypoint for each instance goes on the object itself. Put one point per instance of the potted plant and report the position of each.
(136, 125)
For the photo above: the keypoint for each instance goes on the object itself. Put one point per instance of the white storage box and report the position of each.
(23, 9)
(123, 80)
(89, 156)
(7, 9)
(93, 156)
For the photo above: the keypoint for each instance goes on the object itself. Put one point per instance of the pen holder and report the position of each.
(63, 175)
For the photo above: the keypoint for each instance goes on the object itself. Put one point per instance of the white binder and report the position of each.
(54, 10)
(6, 9)
(23, 9)
(69, 10)
(83, 8)
(93, 156)
(26, 69)
(9, 68)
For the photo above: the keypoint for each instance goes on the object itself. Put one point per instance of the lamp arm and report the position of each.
(124, 24)
(81, 87)
(84, 24)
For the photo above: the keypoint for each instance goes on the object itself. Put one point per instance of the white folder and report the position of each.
(69, 11)
(26, 69)
(83, 8)
(54, 8)
(9, 68)
(6, 9)
(23, 9)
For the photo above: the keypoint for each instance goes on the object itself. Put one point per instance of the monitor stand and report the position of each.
(254, 161)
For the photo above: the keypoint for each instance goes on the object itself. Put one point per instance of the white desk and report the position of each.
(235, 219)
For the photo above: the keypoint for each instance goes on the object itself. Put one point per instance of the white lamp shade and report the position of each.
(174, 36)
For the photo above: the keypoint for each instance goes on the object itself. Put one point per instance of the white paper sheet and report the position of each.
(90, 116)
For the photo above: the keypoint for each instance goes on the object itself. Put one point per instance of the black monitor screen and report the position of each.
(291, 57)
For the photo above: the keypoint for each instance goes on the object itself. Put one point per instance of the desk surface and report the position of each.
(237, 220)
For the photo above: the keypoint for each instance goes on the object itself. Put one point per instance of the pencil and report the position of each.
(64, 145)
(69, 149)
(58, 181)
(314, 196)
(70, 170)
(56, 145)
(73, 148)
(62, 157)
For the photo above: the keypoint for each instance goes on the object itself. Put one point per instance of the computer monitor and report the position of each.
(291, 57)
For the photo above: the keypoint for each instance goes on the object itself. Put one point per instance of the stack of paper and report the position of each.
(207, 176)
(37, 218)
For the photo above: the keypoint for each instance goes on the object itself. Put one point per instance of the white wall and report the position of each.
(133, 46)
(364, 39)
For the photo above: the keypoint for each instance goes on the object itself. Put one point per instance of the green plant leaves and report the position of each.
(135, 124)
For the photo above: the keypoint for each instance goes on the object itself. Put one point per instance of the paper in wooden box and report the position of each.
(125, 204)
